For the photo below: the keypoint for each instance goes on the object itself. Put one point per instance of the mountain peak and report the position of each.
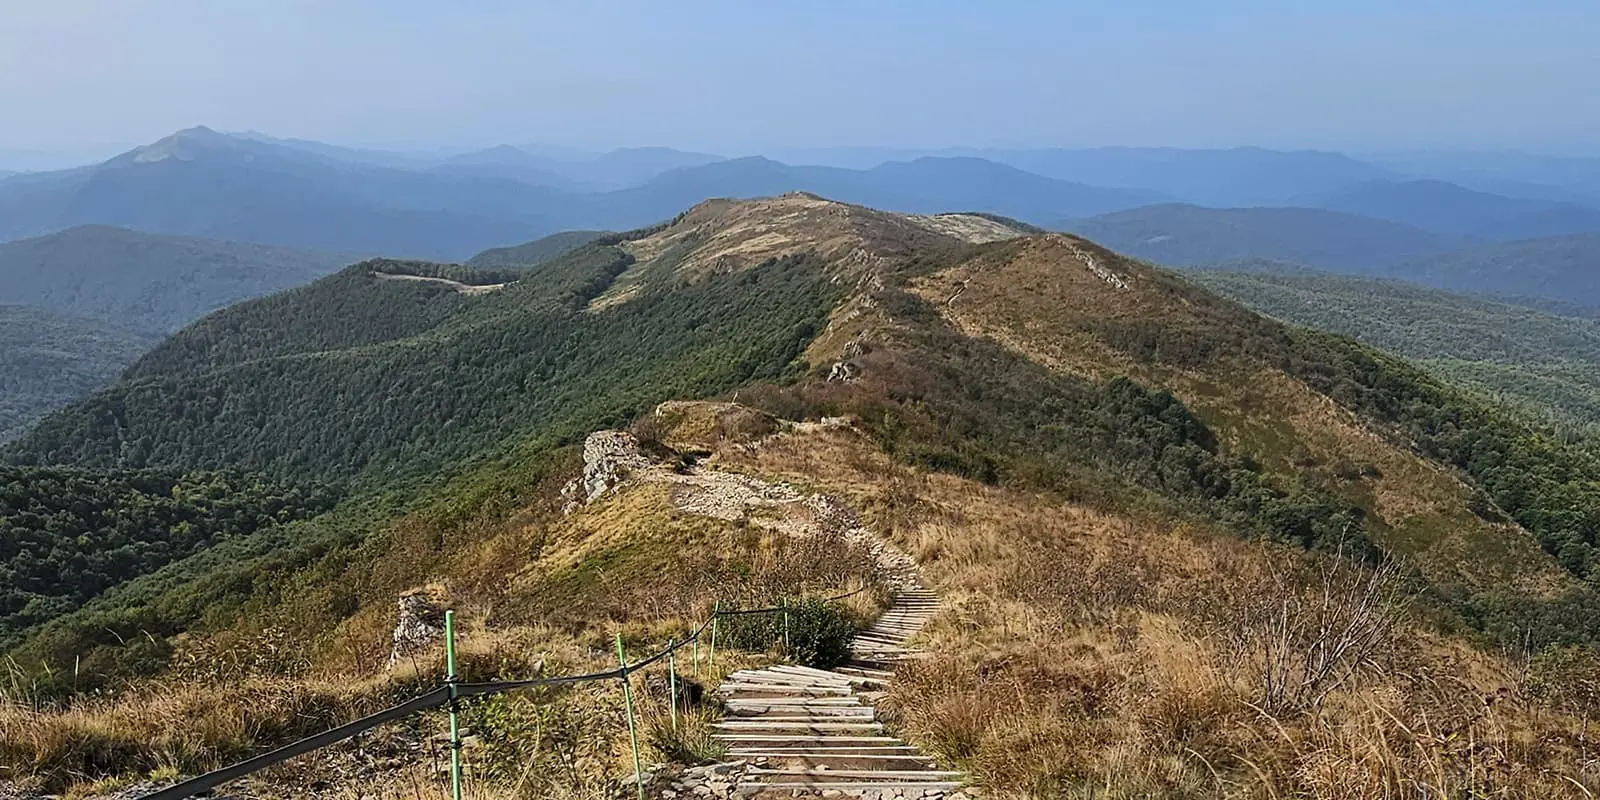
(187, 145)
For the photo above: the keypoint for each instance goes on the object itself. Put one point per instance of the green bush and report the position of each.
(819, 632)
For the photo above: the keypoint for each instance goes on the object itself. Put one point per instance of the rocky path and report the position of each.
(808, 732)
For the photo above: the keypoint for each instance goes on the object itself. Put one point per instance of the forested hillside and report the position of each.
(67, 535)
(537, 251)
(1560, 270)
(354, 374)
(146, 281)
(50, 359)
(1540, 362)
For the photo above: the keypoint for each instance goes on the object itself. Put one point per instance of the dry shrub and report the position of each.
(1295, 634)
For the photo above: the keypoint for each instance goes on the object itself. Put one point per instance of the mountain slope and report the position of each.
(50, 359)
(1450, 210)
(146, 281)
(535, 252)
(1555, 270)
(1541, 362)
(1184, 235)
(734, 292)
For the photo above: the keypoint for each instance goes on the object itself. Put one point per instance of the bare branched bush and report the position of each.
(1299, 637)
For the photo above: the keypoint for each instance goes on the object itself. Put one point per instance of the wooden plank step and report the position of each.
(835, 760)
(863, 672)
(822, 786)
(791, 725)
(785, 688)
(839, 740)
(821, 708)
(780, 714)
(791, 679)
(868, 774)
(882, 751)
(820, 702)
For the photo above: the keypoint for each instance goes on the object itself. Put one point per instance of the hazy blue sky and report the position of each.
(741, 75)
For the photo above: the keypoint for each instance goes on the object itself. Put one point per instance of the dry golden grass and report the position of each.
(1085, 653)
(535, 591)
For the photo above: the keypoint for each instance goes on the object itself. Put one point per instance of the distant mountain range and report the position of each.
(1451, 210)
(1186, 235)
(1179, 207)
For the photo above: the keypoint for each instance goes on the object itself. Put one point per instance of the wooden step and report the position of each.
(884, 751)
(858, 786)
(801, 725)
(806, 740)
(836, 761)
(816, 712)
(860, 774)
(785, 688)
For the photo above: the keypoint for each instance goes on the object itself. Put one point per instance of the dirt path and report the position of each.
(463, 288)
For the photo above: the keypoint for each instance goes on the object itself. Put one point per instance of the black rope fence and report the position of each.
(437, 698)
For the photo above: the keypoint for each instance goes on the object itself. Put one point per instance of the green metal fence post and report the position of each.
(672, 682)
(455, 704)
(633, 729)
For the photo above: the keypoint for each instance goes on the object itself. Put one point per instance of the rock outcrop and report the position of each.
(419, 624)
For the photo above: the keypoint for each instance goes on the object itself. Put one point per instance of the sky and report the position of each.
(741, 76)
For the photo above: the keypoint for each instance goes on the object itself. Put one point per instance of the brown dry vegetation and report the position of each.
(1086, 653)
(536, 592)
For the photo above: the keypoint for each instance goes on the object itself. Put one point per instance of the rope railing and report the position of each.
(451, 692)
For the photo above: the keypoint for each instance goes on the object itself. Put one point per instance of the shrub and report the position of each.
(819, 632)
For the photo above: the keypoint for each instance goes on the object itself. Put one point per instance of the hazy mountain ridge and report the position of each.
(1186, 235)
(1451, 210)
(1563, 270)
